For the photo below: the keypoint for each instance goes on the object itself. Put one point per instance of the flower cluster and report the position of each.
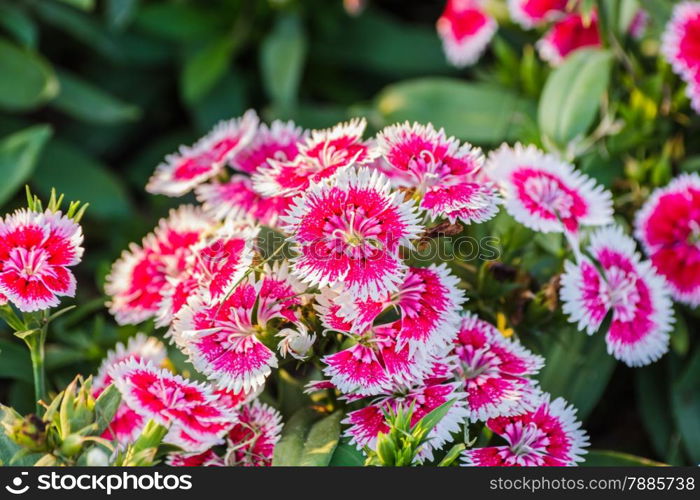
(466, 28)
(349, 211)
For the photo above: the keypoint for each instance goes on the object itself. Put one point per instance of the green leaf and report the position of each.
(578, 369)
(178, 21)
(659, 10)
(19, 153)
(205, 67)
(106, 407)
(15, 362)
(599, 458)
(680, 336)
(32, 83)
(653, 402)
(87, 102)
(432, 419)
(569, 101)
(347, 455)
(321, 442)
(81, 177)
(685, 398)
(16, 22)
(119, 13)
(473, 112)
(80, 4)
(282, 56)
(290, 448)
(10, 451)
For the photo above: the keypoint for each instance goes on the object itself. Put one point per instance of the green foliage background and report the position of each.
(93, 93)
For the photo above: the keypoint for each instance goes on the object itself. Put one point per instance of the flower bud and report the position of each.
(296, 343)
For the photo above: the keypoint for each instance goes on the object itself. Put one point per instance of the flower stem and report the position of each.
(36, 344)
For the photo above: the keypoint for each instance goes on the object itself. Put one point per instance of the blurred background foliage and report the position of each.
(94, 93)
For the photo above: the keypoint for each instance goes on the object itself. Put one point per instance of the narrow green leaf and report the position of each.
(680, 336)
(32, 83)
(432, 419)
(321, 442)
(178, 21)
(569, 101)
(599, 458)
(19, 153)
(473, 112)
(106, 407)
(87, 102)
(653, 401)
(685, 398)
(16, 22)
(205, 67)
(119, 13)
(282, 56)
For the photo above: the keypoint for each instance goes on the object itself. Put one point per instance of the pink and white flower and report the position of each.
(445, 176)
(171, 400)
(320, 157)
(495, 371)
(221, 341)
(681, 39)
(546, 194)
(278, 142)
(36, 250)
(466, 30)
(366, 423)
(550, 435)
(141, 278)
(236, 198)
(377, 363)
(668, 225)
(533, 13)
(252, 441)
(571, 33)
(139, 348)
(214, 266)
(206, 459)
(190, 166)
(350, 231)
(617, 282)
(430, 301)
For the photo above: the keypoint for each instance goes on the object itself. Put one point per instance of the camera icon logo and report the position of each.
(16, 488)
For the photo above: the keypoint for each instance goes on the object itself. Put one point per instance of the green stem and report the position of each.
(37, 353)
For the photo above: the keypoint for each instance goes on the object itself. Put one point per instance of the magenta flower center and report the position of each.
(29, 264)
(526, 440)
(477, 362)
(620, 293)
(353, 233)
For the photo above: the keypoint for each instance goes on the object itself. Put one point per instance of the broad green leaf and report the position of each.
(14, 361)
(473, 112)
(570, 99)
(87, 102)
(289, 449)
(205, 67)
(16, 22)
(178, 21)
(19, 153)
(347, 455)
(282, 56)
(81, 177)
(321, 441)
(119, 13)
(685, 397)
(600, 458)
(32, 80)
(106, 407)
(291, 393)
(578, 369)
